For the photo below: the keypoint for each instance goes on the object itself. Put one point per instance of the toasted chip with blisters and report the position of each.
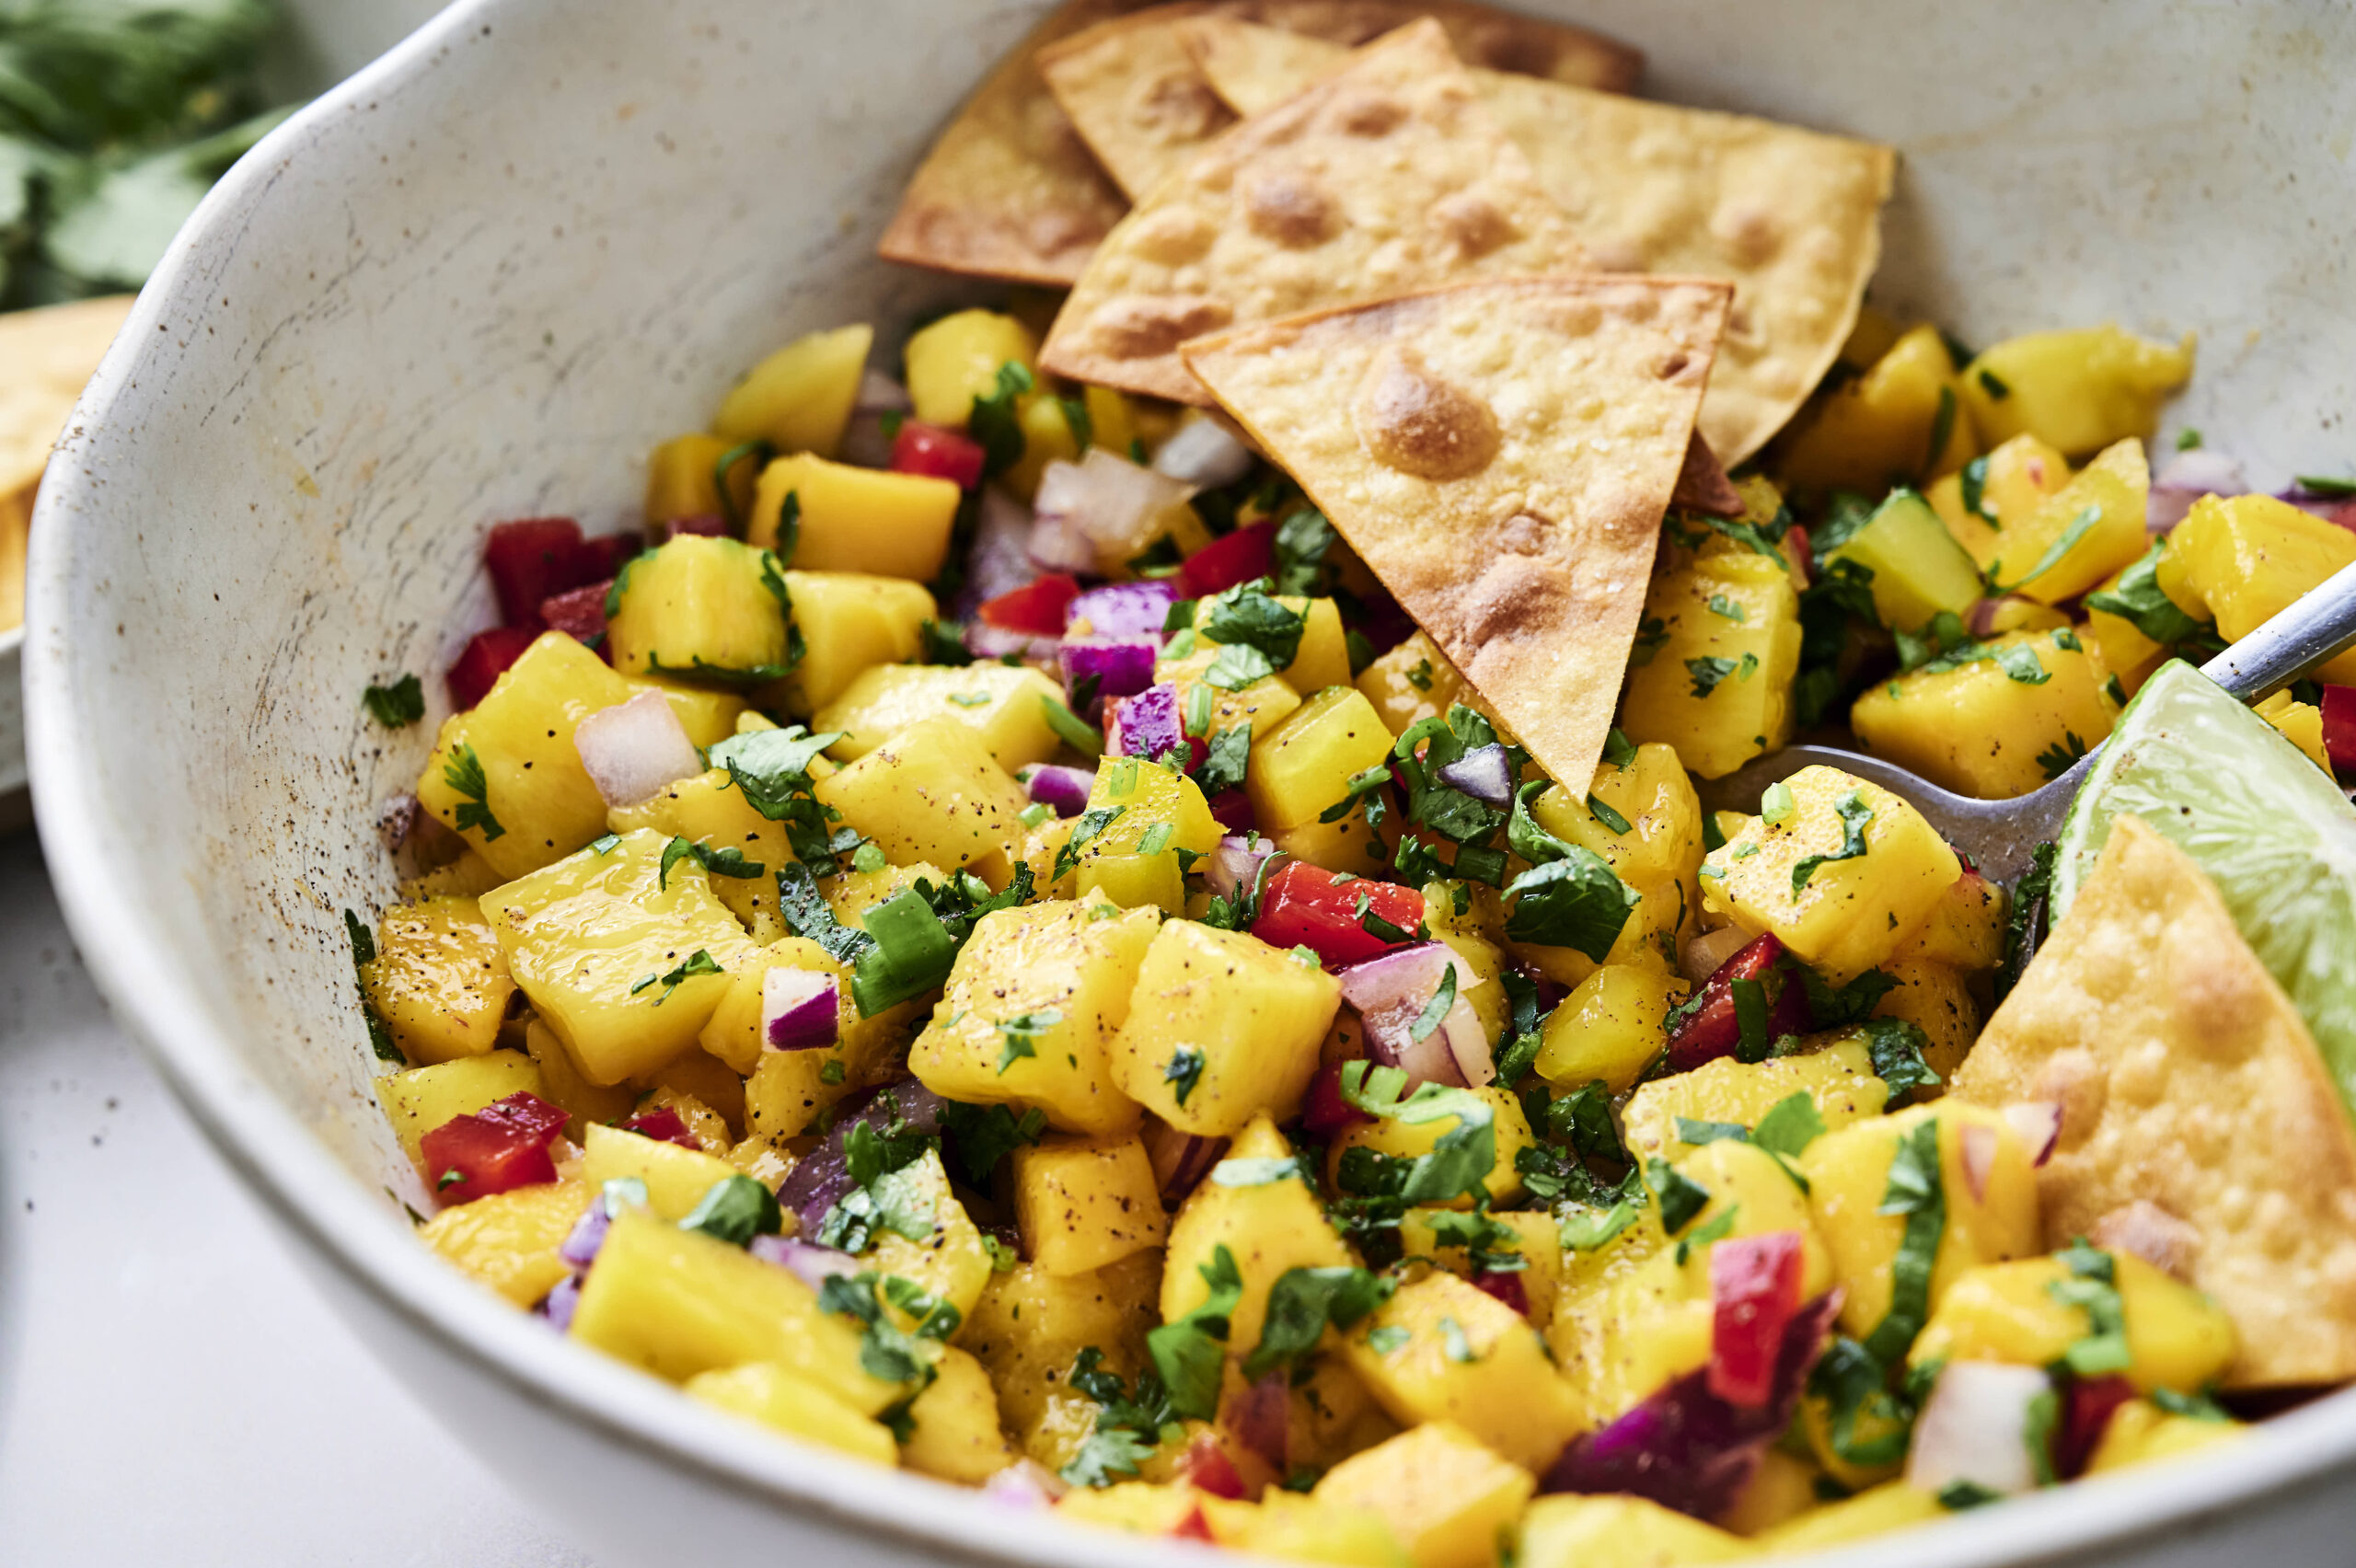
(1500, 454)
(1385, 176)
(1791, 217)
(2187, 1084)
(1142, 104)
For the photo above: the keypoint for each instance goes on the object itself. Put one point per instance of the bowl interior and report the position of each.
(481, 280)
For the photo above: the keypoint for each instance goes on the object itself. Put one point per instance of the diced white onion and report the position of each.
(1205, 453)
(1104, 503)
(1976, 1428)
(633, 749)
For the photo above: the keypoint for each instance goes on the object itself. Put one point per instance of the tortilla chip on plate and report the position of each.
(1499, 453)
(45, 357)
(1009, 189)
(1387, 176)
(1142, 104)
(1791, 217)
(2196, 1111)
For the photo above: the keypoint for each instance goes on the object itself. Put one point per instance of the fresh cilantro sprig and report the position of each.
(463, 772)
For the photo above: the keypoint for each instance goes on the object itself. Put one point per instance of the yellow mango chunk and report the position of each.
(1409, 1140)
(1290, 1527)
(510, 766)
(782, 1400)
(1264, 704)
(2140, 1432)
(677, 1177)
(1716, 688)
(605, 945)
(563, 1086)
(1413, 682)
(2301, 723)
(1990, 727)
(1030, 1326)
(2079, 390)
(799, 399)
(2240, 562)
(849, 620)
(1609, 1027)
(1081, 1204)
(1845, 914)
(2176, 1338)
(682, 478)
(699, 609)
(2004, 488)
(1148, 815)
(422, 1098)
(1848, 1172)
(954, 1432)
(1431, 1233)
(1936, 1000)
(1268, 1227)
(1654, 796)
(1964, 930)
(710, 811)
(1305, 764)
(1061, 973)
(508, 1240)
(1839, 1080)
(955, 359)
(952, 1262)
(1880, 429)
(1221, 1028)
(438, 980)
(848, 519)
(1444, 1350)
(934, 794)
(1620, 1532)
(1893, 1505)
(2079, 535)
(708, 715)
(1445, 1496)
(1003, 703)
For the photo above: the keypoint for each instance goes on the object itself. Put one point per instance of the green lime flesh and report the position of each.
(2274, 833)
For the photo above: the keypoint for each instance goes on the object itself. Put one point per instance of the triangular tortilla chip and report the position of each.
(1791, 217)
(2187, 1084)
(1009, 189)
(1141, 103)
(1386, 176)
(1500, 454)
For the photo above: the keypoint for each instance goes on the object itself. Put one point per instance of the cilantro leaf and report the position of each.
(1708, 671)
(463, 772)
(1461, 1159)
(1190, 1351)
(1302, 1302)
(1855, 816)
(398, 706)
(1915, 1191)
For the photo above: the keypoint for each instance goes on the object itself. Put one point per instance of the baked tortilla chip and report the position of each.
(1141, 103)
(2191, 1093)
(1009, 189)
(1386, 176)
(45, 356)
(1499, 453)
(1791, 217)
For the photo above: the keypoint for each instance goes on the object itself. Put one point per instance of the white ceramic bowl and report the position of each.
(478, 279)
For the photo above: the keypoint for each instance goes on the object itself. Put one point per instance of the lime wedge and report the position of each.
(2271, 829)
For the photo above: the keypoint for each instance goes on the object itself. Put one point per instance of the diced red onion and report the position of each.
(417, 839)
(633, 749)
(1124, 609)
(1204, 453)
(1979, 1152)
(1024, 1484)
(998, 560)
(1505, 1286)
(1260, 1417)
(1390, 993)
(1688, 1449)
(1236, 862)
(1065, 789)
(799, 1009)
(806, 1260)
(1704, 953)
(2185, 478)
(1485, 773)
(1975, 1428)
(1981, 620)
(2039, 1122)
(1233, 810)
(588, 1234)
(1123, 665)
(1180, 1159)
(2087, 1405)
(2152, 1233)
(706, 525)
(821, 1177)
(559, 1308)
(1095, 514)
(1149, 725)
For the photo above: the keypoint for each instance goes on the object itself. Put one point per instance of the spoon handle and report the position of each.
(2317, 626)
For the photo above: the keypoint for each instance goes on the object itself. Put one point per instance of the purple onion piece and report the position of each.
(2185, 478)
(1065, 789)
(806, 1260)
(1485, 773)
(819, 1182)
(1151, 724)
(1124, 609)
(1390, 994)
(1122, 666)
(2337, 509)
(999, 561)
(1236, 862)
(1686, 1448)
(800, 1008)
(588, 1234)
(558, 1307)
(1180, 1159)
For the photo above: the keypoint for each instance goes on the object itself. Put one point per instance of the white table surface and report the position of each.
(171, 1389)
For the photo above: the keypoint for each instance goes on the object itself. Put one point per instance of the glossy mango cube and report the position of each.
(849, 620)
(438, 981)
(677, 1177)
(2239, 563)
(509, 1240)
(799, 399)
(1155, 813)
(1609, 1027)
(956, 359)
(955, 1424)
(1936, 1000)
(2300, 725)
(1221, 1028)
(1060, 973)
(1654, 796)
(1323, 658)
(1305, 764)
(1004, 703)
(1893, 1506)
(933, 792)
(863, 1045)
(708, 714)
(1267, 1227)
(2080, 389)
(605, 945)
(952, 1263)
(700, 609)
(782, 1400)
(1406, 1141)
(1413, 682)
(2079, 535)
(1838, 1078)
(1714, 687)
(510, 759)
(1990, 727)
(682, 478)
(850, 519)
(1841, 915)
(1469, 1359)
(1620, 1532)
(1290, 1527)
(1082, 1203)
(2006, 487)
(1878, 429)
(2176, 1338)
(1031, 1325)
(1964, 930)
(2140, 1432)
(1263, 705)
(1531, 1232)
(1448, 1498)
(422, 1098)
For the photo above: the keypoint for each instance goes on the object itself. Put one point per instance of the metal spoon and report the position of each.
(2001, 836)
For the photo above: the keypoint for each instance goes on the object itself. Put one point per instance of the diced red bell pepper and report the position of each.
(1305, 906)
(500, 1148)
(1036, 608)
(1507, 1286)
(1796, 547)
(1324, 1115)
(938, 453)
(577, 612)
(484, 660)
(1382, 621)
(1236, 557)
(528, 561)
(2339, 725)
(1714, 1028)
(1206, 1468)
(664, 1125)
(1194, 1527)
(1754, 1290)
(602, 557)
(2086, 1407)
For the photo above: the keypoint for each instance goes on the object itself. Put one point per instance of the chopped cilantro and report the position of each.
(1855, 816)
(2063, 755)
(2137, 599)
(1680, 1196)
(1022, 1033)
(1071, 728)
(1190, 1351)
(1420, 677)
(1994, 385)
(463, 772)
(1722, 606)
(1461, 1160)
(1301, 1304)
(1708, 671)
(2086, 519)
(398, 706)
(1915, 1191)
(734, 1209)
(2092, 1286)
(1183, 1072)
(1128, 1427)
(995, 422)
